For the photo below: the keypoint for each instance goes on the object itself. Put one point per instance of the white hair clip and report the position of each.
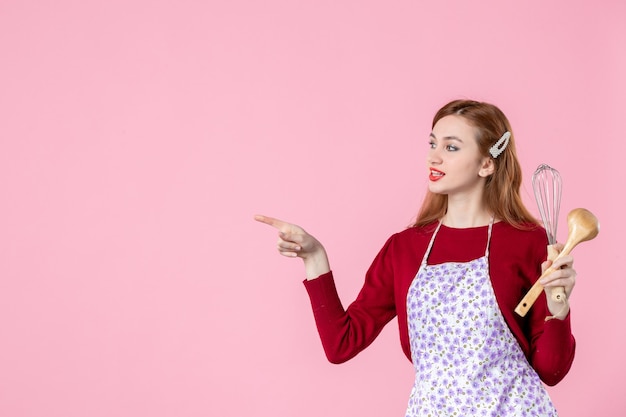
(500, 145)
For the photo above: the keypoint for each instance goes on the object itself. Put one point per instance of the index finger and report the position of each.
(278, 224)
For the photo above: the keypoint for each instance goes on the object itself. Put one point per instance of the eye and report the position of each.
(432, 144)
(452, 148)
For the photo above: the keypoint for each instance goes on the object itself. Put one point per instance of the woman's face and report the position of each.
(455, 165)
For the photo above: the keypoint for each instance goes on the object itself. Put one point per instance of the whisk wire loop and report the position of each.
(547, 186)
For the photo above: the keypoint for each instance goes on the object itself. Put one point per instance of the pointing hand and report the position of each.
(294, 241)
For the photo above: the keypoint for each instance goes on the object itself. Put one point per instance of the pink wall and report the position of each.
(138, 138)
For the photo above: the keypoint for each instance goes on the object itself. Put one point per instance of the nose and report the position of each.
(434, 156)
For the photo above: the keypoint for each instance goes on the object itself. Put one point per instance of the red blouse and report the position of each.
(515, 258)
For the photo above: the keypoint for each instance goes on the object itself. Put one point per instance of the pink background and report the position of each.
(138, 139)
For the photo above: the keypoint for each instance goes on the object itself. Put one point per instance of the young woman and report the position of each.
(454, 278)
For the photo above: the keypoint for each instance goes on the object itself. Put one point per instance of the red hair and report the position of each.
(502, 188)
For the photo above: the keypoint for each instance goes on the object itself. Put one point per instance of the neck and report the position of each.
(466, 213)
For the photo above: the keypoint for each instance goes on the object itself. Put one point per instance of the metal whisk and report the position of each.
(547, 188)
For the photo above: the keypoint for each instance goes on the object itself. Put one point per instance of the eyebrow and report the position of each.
(432, 135)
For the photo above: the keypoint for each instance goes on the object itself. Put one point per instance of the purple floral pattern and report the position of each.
(467, 361)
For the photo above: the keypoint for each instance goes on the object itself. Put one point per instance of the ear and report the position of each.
(487, 167)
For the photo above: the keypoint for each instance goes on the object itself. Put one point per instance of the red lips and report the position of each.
(435, 174)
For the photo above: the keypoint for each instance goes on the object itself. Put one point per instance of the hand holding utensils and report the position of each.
(583, 226)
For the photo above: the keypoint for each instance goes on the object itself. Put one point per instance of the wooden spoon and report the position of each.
(583, 226)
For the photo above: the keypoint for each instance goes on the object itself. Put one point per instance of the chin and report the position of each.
(435, 190)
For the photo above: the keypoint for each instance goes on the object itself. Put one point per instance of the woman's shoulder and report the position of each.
(525, 230)
(405, 247)
(416, 232)
(411, 236)
(530, 233)
(530, 238)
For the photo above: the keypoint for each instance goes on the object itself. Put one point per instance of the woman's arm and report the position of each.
(346, 332)
(552, 343)
(343, 332)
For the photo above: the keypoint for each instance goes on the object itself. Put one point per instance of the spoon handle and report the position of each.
(532, 295)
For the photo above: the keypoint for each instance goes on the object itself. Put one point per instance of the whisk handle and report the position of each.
(558, 293)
